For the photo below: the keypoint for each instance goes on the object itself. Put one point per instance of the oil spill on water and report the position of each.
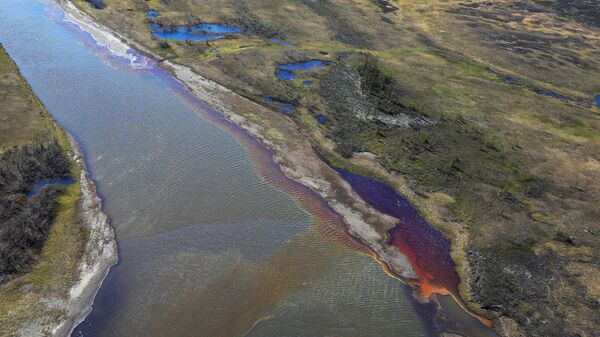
(427, 250)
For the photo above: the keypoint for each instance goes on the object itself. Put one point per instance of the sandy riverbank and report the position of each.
(100, 252)
(99, 255)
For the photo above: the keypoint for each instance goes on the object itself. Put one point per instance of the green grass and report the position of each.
(23, 117)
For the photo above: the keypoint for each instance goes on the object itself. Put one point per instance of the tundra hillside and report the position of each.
(41, 237)
(481, 113)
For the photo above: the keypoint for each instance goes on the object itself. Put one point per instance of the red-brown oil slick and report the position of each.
(426, 248)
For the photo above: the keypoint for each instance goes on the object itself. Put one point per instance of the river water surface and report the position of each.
(213, 240)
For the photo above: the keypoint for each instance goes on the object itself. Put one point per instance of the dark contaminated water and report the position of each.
(427, 249)
(213, 239)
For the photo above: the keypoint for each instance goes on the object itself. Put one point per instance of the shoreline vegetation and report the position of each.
(457, 131)
(57, 244)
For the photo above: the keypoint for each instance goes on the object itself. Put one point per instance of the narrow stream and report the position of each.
(207, 246)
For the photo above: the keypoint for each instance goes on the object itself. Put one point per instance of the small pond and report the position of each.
(546, 92)
(201, 32)
(286, 71)
(45, 182)
(285, 43)
(283, 107)
(321, 119)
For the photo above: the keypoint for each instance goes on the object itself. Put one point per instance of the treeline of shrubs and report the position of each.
(25, 222)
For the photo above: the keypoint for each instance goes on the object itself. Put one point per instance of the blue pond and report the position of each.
(321, 119)
(202, 32)
(307, 83)
(286, 71)
(285, 108)
(285, 75)
(217, 28)
(549, 93)
(45, 182)
(285, 43)
(151, 14)
(597, 101)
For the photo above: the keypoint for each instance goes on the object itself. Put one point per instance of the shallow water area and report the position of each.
(597, 101)
(286, 71)
(201, 32)
(212, 236)
(546, 92)
(321, 119)
(283, 107)
(181, 34)
(282, 42)
(217, 28)
(45, 182)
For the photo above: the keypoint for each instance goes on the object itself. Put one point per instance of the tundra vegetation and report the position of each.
(41, 239)
(481, 113)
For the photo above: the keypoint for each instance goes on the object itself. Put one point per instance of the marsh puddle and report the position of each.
(282, 42)
(597, 101)
(283, 107)
(321, 119)
(286, 71)
(549, 93)
(45, 182)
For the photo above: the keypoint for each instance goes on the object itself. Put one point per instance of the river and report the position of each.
(213, 239)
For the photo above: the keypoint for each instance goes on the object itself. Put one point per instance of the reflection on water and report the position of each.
(207, 246)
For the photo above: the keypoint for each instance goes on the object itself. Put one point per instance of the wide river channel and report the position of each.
(213, 239)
